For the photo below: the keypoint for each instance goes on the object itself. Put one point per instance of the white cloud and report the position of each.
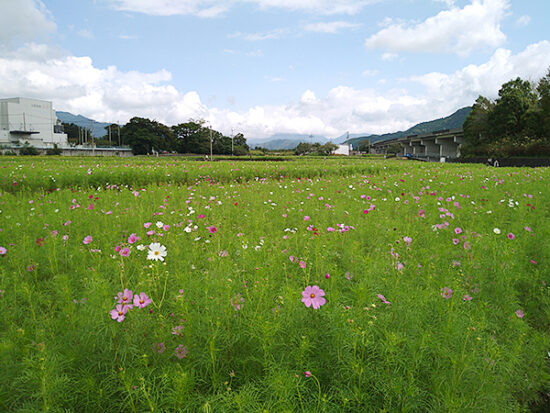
(461, 31)
(389, 57)
(370, 72)
(523, 21)
(87, 34)
(253, 37)
(214, 8)
(330, 27)
(24, 20)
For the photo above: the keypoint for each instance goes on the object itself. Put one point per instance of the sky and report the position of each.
(261, 67)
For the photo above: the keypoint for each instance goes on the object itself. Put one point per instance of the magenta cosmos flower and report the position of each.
(510, 236)
(141, 300)
(212, 229)
(313, 296)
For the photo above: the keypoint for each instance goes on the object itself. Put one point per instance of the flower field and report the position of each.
(307, 285)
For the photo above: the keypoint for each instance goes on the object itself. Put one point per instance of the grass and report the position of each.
(233, 229)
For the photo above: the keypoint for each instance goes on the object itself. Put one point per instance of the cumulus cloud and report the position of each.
(330, 27)
(461, 31)
(24, 20)
(214, 8)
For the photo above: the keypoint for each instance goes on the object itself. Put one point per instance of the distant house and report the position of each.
(31, 121)
(342, 150)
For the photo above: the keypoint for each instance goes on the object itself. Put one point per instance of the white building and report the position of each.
(342, 150)
(30, 120)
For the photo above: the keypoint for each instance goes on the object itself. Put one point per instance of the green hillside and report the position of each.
(450, 122)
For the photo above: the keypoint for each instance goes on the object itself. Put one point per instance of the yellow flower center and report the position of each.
(312, 295)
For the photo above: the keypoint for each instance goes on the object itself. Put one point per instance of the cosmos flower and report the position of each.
(383, 299)
(119, 312)
(313, 296)
(87, 239)
(141, 300)
(181, 351)
(157, 252)
(446, 293)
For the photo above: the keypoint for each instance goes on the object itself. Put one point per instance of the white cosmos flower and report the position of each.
(159, 224)
(156, 252)
(496, 231)
(141, 247)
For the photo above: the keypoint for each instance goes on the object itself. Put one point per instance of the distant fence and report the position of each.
(505, 162)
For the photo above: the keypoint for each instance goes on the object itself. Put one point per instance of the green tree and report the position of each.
(477, 129)
(364, 146)
(543, 90)
(144, 135)
(303, 148)
(508, 117)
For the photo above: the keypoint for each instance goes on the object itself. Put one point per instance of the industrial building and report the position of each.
(31, 121)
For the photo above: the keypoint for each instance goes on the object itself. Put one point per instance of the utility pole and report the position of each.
(232, 137)
(210, 142)
(119, 141)
(109, 134)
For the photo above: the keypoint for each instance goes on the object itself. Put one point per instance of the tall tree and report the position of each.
(476, 127)
(508, 117)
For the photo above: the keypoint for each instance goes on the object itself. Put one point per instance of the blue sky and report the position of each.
(270, 66)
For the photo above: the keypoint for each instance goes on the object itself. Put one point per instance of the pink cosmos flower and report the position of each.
(201, 216)
(307, 373)
(133, 238)
(212, 229)
(181, 351)
(159, 347)
(125, 297)
(3, 251)
(141, 300)
(467, 297)
(291, 258)
(458, 230)
(528, 229)
(302, 264)
(166, 227)
(306, 218)
(446, 293)
(456, 241)
(383, 299)
(510, 236)
(237, 302)
(119, 312)
(124, 252)
(87, 239)
(330, 229)
(519, 313)
(147, 225)
(313, 296)
(407, 240)
(400, 266)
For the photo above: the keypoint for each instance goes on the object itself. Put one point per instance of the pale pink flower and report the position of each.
(87, 239)
(456, 241)
(147, 225)
(467, 297)
(125, 297)
(124, 252)
(383, 299)
(159, 347)
(313, 296)
(306, 218)
(407, 240)
(119, 312)
(446, 292)
(181, 351)
(302, 264)
(3, 251)
(141, 300)
(519, 313)
(458, 230)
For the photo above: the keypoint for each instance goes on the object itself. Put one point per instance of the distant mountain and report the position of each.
(281, 141)
(99, 128)
(456, 120)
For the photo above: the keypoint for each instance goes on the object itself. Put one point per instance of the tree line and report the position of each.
(517, 123)
(147, 136)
